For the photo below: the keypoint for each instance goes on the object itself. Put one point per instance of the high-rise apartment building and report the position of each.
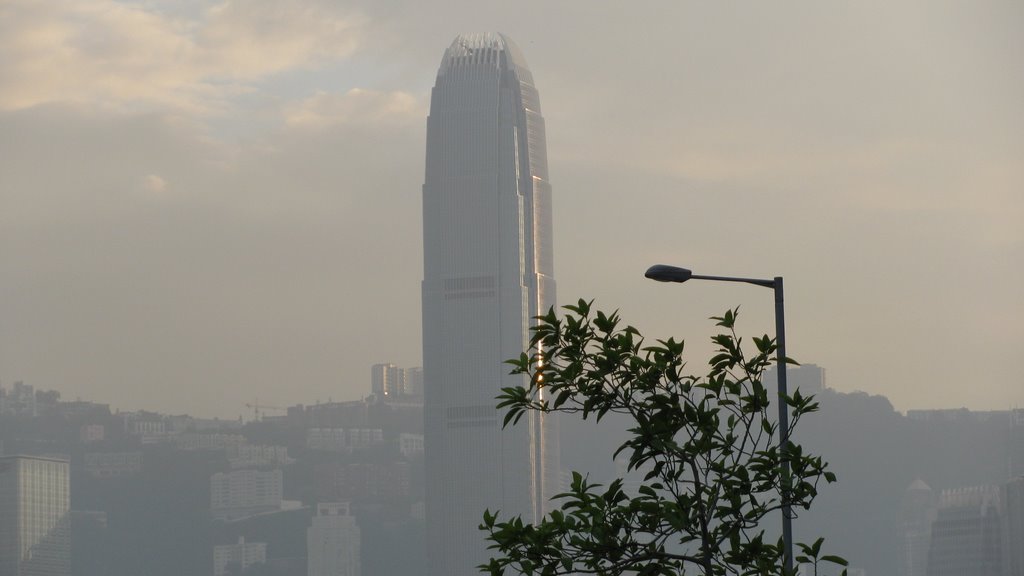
(387, 380)
(414, 381)
(35, 517)
(488, 271)
(333, 541)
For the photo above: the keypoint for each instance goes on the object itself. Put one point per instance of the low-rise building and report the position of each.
(240, 556)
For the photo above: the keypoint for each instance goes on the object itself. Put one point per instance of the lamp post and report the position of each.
(664, 273)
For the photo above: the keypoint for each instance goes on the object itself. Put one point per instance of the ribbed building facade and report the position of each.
(488, 271)
(35, 521)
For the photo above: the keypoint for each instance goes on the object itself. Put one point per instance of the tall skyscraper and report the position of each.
(488, 271)
(35, 520)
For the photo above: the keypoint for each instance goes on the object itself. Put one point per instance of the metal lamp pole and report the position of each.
(664, 273)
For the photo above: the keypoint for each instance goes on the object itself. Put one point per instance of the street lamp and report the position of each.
(664, 273)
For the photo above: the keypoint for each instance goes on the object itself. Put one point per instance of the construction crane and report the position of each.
(256, 407)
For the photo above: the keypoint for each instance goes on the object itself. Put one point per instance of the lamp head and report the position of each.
(665, 273)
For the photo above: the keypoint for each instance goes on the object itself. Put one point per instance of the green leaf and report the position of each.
(835, 560)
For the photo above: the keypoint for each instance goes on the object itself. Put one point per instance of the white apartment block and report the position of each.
(242, 493)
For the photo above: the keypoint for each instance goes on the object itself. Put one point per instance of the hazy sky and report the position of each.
(203, 203)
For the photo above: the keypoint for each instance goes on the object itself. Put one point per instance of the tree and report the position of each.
(706, 448)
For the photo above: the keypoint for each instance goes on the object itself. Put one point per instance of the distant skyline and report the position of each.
(203, 203)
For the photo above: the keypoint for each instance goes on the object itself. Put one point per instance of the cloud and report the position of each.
(154, 184)
(130, 56)
(253, 38)
(357, 106)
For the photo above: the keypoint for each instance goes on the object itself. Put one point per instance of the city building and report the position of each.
(362, 481)
(208, 441)
(1013, 527)
(91, 433)
(808, 378)
(410, 445)
(488, 271)
(414, 381)
(112, 464)
(967, 534)
(256, 455)
(147, 427)
(343, 439)
(242, 493)
(1016, 456)
(387, 380)
(46, 402)
(235, 558)
(330, 439)
(35, 516)
(20, 400)
(333, 541)
(83, 409)
(917, 515)
(331, 414)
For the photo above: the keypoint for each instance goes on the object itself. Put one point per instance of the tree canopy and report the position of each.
(705, 451)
